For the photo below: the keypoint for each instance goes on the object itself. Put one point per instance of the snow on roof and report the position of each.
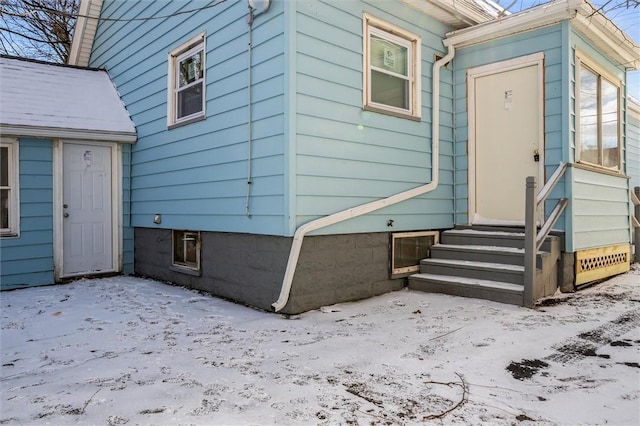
(47, 100)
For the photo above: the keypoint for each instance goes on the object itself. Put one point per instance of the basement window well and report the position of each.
(408, 249)
(186, 251)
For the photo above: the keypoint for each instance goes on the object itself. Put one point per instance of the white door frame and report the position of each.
(116, 204)
(489, 69)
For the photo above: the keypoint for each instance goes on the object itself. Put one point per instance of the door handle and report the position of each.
(536, 155)
(65, 214)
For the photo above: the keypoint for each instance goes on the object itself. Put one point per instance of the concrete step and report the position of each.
(497, 291)
(493, 254)
(500, 238)
(489, 271)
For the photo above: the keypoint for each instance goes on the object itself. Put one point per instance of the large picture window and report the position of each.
(391, 69)
(9, 200)
(187, 82)
(599, 118)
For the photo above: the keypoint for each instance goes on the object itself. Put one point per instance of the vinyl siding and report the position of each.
(592, 193)
(633, 145)
(195, 175)
(345, 156)
(28, 260)
(127, 230)
(577, 42)
(547, 40)
(600, 208)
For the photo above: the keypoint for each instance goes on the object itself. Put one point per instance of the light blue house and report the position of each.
(63, 176)
(293, 154)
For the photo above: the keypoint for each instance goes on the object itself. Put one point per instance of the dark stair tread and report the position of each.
(470, 282)
(475, 247)
(470, 264)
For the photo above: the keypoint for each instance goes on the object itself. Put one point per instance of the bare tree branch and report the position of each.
(37, 29)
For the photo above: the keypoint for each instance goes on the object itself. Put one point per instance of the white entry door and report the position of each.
(87, 225)
(507, 145)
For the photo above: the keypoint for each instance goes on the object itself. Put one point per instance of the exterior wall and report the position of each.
(249, 268)
(127, 230)
(600, 209)
(341, 268)
(633, 142)
(598, 201)
(343, 156)
(548, 40)
(195, 175)
(577, 42)
(316, 151)
(28, 260)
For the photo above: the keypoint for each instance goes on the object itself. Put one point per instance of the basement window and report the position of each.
(408, 249)
(186, 250)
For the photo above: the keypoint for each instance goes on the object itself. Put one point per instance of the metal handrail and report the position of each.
(533, 239)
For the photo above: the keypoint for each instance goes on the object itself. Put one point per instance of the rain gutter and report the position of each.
(363, 209)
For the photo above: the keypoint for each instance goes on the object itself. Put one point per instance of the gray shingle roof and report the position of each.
(46, 100)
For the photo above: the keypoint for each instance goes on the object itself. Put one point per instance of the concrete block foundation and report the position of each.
(249, 269)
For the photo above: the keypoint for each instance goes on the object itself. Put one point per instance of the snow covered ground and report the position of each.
(125, 350)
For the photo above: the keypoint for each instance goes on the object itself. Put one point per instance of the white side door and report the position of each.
(506, 144)
(87, 210)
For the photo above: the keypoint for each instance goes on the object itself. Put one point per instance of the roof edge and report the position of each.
(585, 19)
(66, 133)
(545, 14)
(53, 64)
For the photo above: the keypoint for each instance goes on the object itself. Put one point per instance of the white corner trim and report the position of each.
(79, 33)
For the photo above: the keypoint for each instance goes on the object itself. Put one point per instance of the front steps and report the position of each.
(486, 263)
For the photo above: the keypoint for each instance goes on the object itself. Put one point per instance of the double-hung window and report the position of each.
(187, 82)
(391, 69)
(9, 200)
(599, 117)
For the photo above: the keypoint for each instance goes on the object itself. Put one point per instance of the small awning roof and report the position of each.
(56, 101)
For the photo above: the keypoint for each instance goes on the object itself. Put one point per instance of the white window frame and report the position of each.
(13, 165)
(395, 35)
(583, 61)
(399, 272)
(183, 265)
(191, 47)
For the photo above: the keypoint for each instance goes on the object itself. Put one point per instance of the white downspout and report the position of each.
(332, 219)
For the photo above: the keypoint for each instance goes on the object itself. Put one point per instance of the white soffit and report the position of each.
(594, 26)
(457, 13)
(46, 100)
(84, 32)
